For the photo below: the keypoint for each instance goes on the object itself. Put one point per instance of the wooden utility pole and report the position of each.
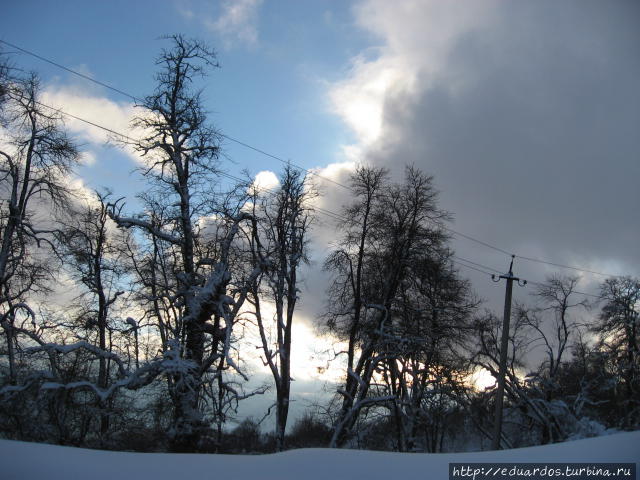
(504, 346)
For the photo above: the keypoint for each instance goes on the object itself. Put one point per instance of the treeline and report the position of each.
(148, 352)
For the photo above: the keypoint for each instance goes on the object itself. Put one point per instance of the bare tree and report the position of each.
(547, 327)
(286, 218)
(199, 292)
(388, 227)
(36, 159)
(95, 257)
(348, 261)
(619, 328)
(553, 326)
(432, 317)
(557, 296)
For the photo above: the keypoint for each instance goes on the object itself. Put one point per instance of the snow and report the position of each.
(20, 460)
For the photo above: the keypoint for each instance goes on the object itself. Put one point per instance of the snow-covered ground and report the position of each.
(20, 460)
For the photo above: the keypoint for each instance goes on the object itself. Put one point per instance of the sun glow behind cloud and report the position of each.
(415, 38)
(312, 355)
(482, 379)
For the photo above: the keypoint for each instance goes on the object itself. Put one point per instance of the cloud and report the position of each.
(100, 110)
(265, 180)
(184, 8)
(237, 23)
(104, 121)
(526, 113)
(416, 37)
(88, 158)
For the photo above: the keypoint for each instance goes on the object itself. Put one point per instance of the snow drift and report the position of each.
(21, 460)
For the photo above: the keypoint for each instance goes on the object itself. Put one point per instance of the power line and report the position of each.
(86, 77)
(321, 210)
(334, 215)
(480, 242)
(530, 259)
(538, 284)
(566, 266)
(478, 265)
(286, 162)
(138, 100)
(329, 213)
(483, 269)
(84, 120)
(457, 262)
(339, 217)
(275, 157)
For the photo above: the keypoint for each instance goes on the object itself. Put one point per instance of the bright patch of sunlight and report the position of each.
(312, 354)
(482, 379)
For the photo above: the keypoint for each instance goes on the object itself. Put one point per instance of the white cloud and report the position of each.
(265, 180)
(328, 180)
(416, 36)
(359, 100)
(237, 23)
(108, 119)
(88, 158)
(102, 111)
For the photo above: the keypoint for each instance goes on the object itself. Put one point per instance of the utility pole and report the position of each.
(504, 346)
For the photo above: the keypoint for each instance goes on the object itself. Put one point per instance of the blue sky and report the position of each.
(270, 91)
(526, 113)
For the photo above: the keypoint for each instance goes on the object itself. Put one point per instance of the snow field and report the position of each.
(22, 460)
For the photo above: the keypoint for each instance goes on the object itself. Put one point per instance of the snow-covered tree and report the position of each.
(192, 284)
(431, 323)
(537, 393)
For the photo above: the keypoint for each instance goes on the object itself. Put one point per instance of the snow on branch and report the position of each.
(15, 308)
(128, 222)
(98, 352)
(169, 364)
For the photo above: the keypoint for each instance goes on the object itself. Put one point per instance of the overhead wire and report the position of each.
(462, 264)
(480, 242)
(86, 77)
(138, 100)
(335, 216)
(84, 120)
(545, 262)
(539, 284)
(321, 210)
(275, 157)
(478, 267)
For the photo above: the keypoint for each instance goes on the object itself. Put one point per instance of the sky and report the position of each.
(527, 114)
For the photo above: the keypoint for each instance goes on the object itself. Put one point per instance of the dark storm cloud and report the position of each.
(528, 116)
(532, 130)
